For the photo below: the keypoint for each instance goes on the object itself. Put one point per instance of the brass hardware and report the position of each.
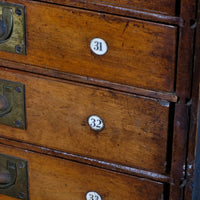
(12, 104)
(14, 177)
(12, 28)
(6, 24)
(5, 178)
(3, 103)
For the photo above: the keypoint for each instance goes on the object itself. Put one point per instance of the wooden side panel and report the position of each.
(140, 53)
(52, 179)
(136, 128)
(179, 151)
(194, 132)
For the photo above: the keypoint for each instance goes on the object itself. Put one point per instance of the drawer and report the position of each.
(135, 132)
(57, 179)
(140, 53)
(162, 7)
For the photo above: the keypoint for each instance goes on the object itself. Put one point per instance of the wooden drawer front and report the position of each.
(139, 53)
(163, 7)
(57, 179)
(136, 128)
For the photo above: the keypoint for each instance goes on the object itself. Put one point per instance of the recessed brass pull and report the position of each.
(14, 177)
(12, 104)
(6, 101)
(5, 178)
(8, 174)
(3, 103)
(6, 24)
(12, 28)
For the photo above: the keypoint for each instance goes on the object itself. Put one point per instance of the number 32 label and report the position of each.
(93, 196)
(95, 123)
(98, 46)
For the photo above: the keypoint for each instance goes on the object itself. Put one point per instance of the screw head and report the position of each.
(21, 195)
(18, 49)
(21, 165)
(18, 89)
(18, 12)
(18, 123)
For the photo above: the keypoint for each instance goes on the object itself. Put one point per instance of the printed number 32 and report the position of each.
(95, 123)
(93, 197)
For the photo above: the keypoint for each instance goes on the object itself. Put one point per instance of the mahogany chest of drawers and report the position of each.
(98, 99)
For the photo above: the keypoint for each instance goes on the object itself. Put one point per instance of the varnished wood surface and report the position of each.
(187, 75)
(51, 178)
(162, 7)
(139, 13)
(171, 97)
(4, 197)
(90, 161)
(141, 54)
(195, 116)
(136, 128)
(186, 51)
(179, 151)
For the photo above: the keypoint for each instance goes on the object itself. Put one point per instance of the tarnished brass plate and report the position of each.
(16, 43)
(18, 169)
(14, 115)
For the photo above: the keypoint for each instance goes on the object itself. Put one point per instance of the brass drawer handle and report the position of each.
(14, 177)
(3, 103)
(12, 104)
(5, 178)
(6, 102)
(6, 24)
(8, 175)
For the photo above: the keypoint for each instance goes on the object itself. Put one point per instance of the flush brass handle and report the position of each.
(6, 24)
(5, 179)
(14, 177)
(6, 102)
(8, 176)
(3, 103)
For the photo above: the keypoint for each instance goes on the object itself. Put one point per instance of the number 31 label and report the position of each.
(95, 123)
(93, 196)
(98, 46)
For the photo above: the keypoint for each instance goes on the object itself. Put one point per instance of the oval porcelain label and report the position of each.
(98, 46)
(93, 196)
(95, 122)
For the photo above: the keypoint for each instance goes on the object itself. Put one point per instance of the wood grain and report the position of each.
(138, 13)
(156, 6)
(85, 160)
(191, 189)
(179, 151)
(3, 197)
(171, 97)
(140, 53)
(136, 128)
(51, 178)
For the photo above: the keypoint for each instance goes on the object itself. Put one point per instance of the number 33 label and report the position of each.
(98, 46)
(95, 123)
(93, 196)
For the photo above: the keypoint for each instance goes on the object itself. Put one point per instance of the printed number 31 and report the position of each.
(97, 46)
